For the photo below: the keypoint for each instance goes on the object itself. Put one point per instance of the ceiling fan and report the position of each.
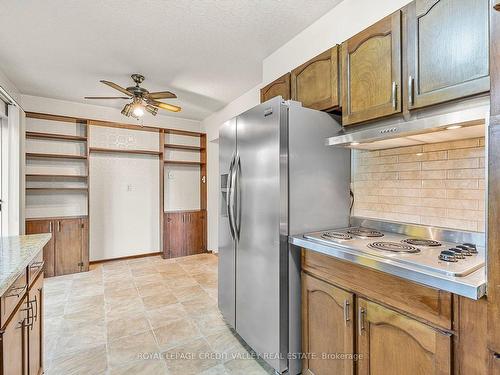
(142, 99)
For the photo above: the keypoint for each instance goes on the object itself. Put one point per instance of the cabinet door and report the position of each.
(174, 234)
(316, 83)
(14, 348)
(195, 233)
(448, 50)
(393, 344)
(371, 72)
(85, 244)
(34, 328)
(327, 327)
(68, 251)
(44, 226)
(281, 86)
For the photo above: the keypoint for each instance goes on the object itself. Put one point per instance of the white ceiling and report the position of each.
(207, 51)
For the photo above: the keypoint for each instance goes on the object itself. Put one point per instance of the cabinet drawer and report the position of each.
(12, 296)
(428, 304)
(35, 267)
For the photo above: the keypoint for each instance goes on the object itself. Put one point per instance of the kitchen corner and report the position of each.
(21, 312)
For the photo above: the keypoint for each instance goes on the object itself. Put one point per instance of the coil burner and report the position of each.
(421, 242)
(364, 232)
(395, 247)
(336, 236)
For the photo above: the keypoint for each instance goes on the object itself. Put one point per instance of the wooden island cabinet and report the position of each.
(389, 325)
(21, 333)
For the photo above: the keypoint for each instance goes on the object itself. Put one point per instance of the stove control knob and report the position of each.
(448, 256)
(466, 251)
(472, 248)
(459, 253)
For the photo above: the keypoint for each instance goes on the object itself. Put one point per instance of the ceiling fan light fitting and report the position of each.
(127, 110)
(152, 110)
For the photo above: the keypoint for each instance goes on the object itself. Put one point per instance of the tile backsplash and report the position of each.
(439, 184)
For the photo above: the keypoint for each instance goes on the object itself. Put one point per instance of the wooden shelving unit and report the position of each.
(41, 176)
(62, 137)
(184, 231)
(181, 162)
(61, 154)
(57, 189)
(183, 147)
(54, 156)
(124, 151)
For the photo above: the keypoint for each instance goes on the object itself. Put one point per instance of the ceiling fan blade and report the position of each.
(117, 87)
(107, 97)
(162, 95)
(168, 107)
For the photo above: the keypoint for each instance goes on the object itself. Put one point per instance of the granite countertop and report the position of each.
(16, 252)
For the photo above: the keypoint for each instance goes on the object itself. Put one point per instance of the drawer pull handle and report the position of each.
(17, 292)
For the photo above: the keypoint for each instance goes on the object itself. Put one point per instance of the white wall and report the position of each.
(14, 194)
(211, 127)
(345, 20)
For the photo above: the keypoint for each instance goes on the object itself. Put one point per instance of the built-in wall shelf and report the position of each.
(183, 147)
(180, 162)
(54, 156)
(39, 175)
(124, 151)
(63, 137)
(56, 189)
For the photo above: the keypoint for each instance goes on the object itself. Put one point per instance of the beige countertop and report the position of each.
(16, 252)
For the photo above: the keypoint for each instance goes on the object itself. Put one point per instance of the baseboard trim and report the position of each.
(125, 258)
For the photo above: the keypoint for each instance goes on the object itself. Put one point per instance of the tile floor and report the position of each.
(141, 316)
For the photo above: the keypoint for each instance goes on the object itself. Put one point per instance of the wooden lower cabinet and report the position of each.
(14, 343)
(67, 251)
(44, 226)
(393, 344)
(35, 327)
(184, 233)
(327, 328)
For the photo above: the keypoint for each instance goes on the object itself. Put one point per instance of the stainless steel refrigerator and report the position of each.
(277, 178)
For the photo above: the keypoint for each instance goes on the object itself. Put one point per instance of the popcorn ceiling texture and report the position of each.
(439, 184)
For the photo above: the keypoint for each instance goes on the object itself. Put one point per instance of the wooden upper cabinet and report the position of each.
(327, 327)
(371, 72)
(391, 343)
(316, 83)
(281, 86)
(448, 52)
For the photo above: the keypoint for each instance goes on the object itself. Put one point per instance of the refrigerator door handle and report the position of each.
(237, 210)
(229, 198)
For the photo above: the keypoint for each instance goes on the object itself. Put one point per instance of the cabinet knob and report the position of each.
(497, 5)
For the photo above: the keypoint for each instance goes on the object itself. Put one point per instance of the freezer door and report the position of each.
(227, 245)
(261, 251)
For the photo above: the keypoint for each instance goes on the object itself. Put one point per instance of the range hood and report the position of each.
(466, 119)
